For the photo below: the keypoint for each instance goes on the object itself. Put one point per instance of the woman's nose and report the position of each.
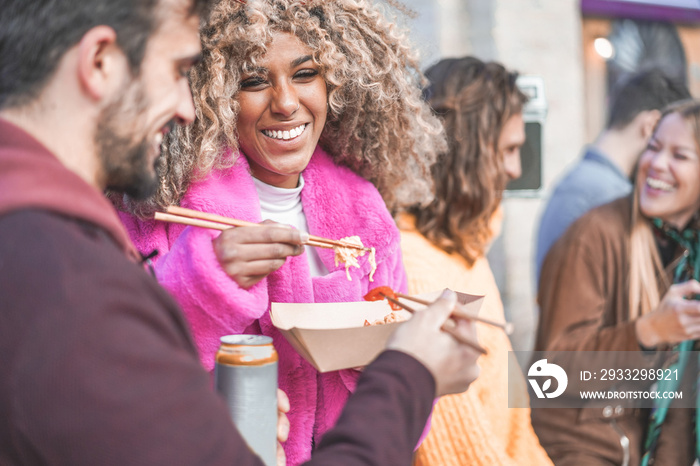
(285, 100)
(513, 166)
(659, 161)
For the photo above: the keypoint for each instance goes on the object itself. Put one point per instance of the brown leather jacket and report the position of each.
(584, 307)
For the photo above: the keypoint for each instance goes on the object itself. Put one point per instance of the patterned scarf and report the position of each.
(688, 267)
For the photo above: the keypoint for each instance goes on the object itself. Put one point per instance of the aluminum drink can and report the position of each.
(246, 375)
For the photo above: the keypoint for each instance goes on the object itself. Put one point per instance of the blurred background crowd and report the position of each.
(574, 52)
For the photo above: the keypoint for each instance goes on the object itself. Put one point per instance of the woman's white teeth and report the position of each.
(658, 184)
(291, 134)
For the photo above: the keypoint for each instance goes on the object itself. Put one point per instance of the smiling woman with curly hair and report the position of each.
(376, 124)
(309, 114)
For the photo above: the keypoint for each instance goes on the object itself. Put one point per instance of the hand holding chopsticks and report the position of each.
(252, 251)
(384, 292)
(452, 363)
(196, 218)
(449, 326)
(249, 252)
(459, 311)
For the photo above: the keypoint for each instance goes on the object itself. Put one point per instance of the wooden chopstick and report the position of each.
(448, 327)
(196, 214)
(343, 244)
(319, 245)
(171, 218)
(190, 221)
(460, 312)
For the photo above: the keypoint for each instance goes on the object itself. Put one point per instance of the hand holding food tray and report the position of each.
(332, 336)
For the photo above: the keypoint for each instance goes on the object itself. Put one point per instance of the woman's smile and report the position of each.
(285, 134)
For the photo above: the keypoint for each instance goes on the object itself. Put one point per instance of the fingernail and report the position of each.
(304, 236)
(447, 294)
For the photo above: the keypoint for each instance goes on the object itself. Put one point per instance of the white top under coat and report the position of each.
(283, 205)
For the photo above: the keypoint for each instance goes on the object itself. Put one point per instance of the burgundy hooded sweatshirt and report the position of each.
(97, 365)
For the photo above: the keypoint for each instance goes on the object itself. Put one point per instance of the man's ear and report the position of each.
(102, 64)
(649, 119)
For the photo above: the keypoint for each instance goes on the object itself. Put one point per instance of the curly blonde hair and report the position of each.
(378, 125)
(475, 100)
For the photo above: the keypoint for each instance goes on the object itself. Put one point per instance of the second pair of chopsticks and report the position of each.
(449, 326)
(196, 218)
(460, 312)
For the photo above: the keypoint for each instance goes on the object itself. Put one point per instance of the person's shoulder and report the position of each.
(415, 244)
(72, 260)
(587, 186)
(29, 232)
(609, 220)
(422, 256)
(417, 247)
(430, 268)
(616, 212)
(582, 180)
(29, 218)
(570, 191)
(24, 231)
(66, 273)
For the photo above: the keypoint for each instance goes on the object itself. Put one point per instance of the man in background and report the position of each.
(98, 365)
(603, 174)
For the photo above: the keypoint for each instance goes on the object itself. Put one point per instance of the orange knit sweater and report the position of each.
(475, 427)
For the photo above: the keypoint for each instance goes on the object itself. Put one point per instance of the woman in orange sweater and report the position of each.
(444, 245)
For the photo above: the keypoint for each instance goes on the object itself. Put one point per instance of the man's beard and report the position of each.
(123, 152)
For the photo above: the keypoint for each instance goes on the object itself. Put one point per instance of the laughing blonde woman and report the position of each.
(622, 279)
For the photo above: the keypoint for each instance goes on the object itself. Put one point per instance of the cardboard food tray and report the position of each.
(332, 336)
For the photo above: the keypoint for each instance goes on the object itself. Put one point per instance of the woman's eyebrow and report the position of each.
(254, 71)
(689, 149)
(300, 60)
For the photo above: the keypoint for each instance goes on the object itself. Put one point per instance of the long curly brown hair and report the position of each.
(474, 100)
(378, 125)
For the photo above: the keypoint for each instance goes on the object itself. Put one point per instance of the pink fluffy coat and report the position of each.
(337, 203)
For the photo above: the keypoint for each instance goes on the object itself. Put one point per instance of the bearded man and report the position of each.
(98, 365)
